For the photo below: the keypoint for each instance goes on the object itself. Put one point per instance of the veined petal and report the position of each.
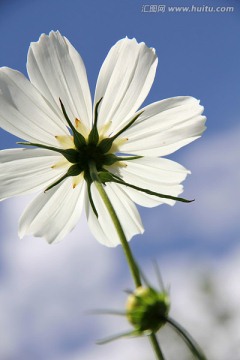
(24, 112)
(164, 127)
(53, 214)
(57, 70)
(24, 171)
(124, 81)
(103, 228)
(156, 174)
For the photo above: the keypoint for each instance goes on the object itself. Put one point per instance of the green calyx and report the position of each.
(86, 152)
(147, 309)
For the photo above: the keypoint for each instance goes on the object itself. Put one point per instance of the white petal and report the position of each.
(155, 174)
(53, 214)
(103, 228)
(165, 126)
(57, 70)
(124, 81)
(26, 170)
(24, 112)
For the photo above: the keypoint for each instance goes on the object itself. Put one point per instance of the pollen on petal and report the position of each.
(103, 130)
(115, 166)
(121, 164)
(63, 163)
(118, 164)
(117, 143)
(66, 141)
(81, 128)
(76, 180)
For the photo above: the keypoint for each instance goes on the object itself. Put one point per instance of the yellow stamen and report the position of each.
(120, 164)
(116, 165)
(60, 164)
(104, 129)
(117, 143)
(77, 179)
(66, 141)
(81, 128)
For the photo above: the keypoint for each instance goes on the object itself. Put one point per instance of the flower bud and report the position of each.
(147, 309)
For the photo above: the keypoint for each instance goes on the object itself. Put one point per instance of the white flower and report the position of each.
(53, 112)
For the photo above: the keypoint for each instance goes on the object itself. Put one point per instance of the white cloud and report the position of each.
(46, 290)
(214, 183)
(215, 180)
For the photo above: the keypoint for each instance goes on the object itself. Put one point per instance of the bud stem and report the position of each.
(156, 347)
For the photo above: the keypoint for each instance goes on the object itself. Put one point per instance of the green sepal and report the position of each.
(56, 182)
(93, 137)
(70, 154)
(109, 177)
(106, 144)
(190, 342)
(89, 183)
(74, 170)
(107, 312)
(129, 158)
(111, 159)
(78, 138)
(132, 333)
(105, 176)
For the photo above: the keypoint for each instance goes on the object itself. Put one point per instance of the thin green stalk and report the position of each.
(129, 256)
(126, 248)
(156, 347)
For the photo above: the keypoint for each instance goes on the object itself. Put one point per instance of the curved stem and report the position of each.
(126, 248)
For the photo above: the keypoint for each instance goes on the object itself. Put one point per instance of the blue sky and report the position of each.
(199, 55)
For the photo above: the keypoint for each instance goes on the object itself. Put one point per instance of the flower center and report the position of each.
(91, 153)
(87, 154)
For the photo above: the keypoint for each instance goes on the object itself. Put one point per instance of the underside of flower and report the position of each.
(90, 157)
(77, 145)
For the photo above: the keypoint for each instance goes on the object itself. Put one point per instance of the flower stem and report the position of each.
(129, 256)
(126, 248)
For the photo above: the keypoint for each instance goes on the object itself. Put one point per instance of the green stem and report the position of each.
(156, 347)
(126, 248)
